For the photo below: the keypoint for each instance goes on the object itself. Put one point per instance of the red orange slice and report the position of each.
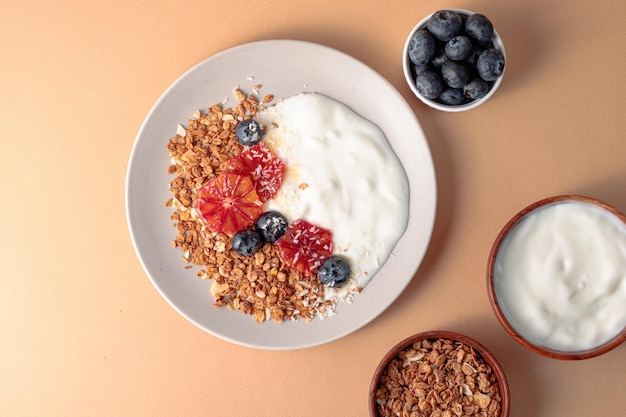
(229, 203)
(265, 168)
(305, 246)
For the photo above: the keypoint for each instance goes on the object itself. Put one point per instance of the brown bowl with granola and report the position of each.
(440, 374)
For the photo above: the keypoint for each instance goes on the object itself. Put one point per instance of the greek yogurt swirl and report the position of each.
(342, 175)
(560, 276)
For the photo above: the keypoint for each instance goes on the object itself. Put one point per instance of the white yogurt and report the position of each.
(342, 175)
(560, 276)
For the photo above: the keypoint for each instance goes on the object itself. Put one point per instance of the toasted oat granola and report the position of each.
(438, 378)
(259, 285)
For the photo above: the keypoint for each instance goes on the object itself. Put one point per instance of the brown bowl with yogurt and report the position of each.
(556, 277)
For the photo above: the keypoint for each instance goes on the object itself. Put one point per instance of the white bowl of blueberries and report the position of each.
(454, 60)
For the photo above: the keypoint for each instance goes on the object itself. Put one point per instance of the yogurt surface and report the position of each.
(342, 175)
(560, 276)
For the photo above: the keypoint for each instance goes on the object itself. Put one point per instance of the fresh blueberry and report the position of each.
(475, 89)
(428, 84)
(455, 74)
(490, 64)
(458, 48)
(246, 242)
(418, 69)
(472, 58)
(249, 132)
(334, 271)
(271, 226)
(439, 58)
(445, 24)
(421, 47)
(478, 27)
(452, 96)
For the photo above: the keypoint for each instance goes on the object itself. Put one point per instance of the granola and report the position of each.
(260, 285)
(438, 378)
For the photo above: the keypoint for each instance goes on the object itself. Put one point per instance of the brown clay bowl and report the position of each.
(398, 353)
(498, 305)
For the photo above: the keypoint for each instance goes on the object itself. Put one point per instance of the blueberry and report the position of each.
(452, 96)
(439, 58)
(249, 132)
(455, 74)
(458, 48)
(475, 89)
(421, 47)
(428, 84)
(478, 27)
(271, 226)
(334, 271)
(246, 242)
(472, 58)
(418, 69)
(445, 24)
(490, 64)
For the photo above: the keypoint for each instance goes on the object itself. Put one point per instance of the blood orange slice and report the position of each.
(305, 246)
(265, 168)
(229, 203)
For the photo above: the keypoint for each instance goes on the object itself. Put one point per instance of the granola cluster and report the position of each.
(438, 378)
(259, 285)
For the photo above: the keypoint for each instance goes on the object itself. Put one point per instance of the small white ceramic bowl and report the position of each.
(410, 78)
(565, 245)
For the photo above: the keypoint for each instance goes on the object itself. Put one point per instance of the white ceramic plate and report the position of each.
(283, 68)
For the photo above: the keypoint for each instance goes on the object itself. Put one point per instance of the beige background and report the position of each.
(84, 332)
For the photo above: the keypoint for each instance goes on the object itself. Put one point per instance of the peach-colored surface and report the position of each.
(83, 330)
